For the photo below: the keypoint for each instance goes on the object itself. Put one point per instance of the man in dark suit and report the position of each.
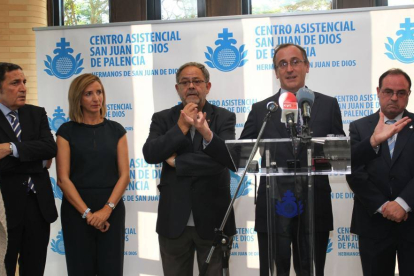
(383, 180)
(26, 144)
(291, 66)
(195, 181)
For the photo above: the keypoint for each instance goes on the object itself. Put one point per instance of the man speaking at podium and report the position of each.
(188, 139)
(291, 66)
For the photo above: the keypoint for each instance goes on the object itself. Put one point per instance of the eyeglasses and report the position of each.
(294, 63)
(194, 82)
(400, 94)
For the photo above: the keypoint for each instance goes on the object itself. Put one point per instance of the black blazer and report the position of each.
(200, 181)
(376, 178)
(325, 119)
(37, 144)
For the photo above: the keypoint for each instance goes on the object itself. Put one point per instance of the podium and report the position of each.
(289, 170)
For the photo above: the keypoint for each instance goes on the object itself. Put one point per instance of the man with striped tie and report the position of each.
(26, 145)
(383, 180)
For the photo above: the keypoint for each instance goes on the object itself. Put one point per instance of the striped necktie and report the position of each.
(18, 131)
(392, 139)
(15, 125)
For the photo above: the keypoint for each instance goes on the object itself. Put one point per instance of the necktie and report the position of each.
(15, 125)
(18, 131)
(391, 140)
(192, 132)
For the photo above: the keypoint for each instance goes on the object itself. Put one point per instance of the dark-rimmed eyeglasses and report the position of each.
(400, 94)
(186, 83)
(293, 62)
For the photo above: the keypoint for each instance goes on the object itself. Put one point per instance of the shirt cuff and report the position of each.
(403, 204)
(15, 152)
(379, 210)
(376, 149)
(205, 143)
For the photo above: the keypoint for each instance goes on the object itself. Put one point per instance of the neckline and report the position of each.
(94, 126)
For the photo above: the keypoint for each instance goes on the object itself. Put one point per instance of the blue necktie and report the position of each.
(391, 140)
(15, 125)
(18, 131)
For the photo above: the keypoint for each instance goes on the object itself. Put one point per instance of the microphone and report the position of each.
(272, 106)
(289, 106)
(306, 97)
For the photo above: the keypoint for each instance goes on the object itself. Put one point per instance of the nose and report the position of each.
(394, 97)
(95, 97)
(23, 87)
(289, 67)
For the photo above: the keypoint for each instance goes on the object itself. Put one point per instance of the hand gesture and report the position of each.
(383, 131)
(186, 118)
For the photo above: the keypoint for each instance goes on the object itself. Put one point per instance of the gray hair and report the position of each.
(195, 64)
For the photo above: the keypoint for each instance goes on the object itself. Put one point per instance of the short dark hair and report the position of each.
(200, 66)
(395, 71)
(285, 45)
(6, 67)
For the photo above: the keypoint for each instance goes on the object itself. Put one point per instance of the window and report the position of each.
(283, 6)
(400, 2)
(81, 12)
(178, 9)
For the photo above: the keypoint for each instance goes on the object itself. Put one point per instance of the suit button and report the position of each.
(392, 178)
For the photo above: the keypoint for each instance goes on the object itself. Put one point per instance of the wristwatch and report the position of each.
(110, 204)
(11, 148)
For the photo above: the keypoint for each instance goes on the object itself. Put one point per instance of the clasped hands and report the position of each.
(393, 211)
(99, 219)
(190, 116)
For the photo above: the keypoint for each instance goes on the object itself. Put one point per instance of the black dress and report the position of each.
(94, 172)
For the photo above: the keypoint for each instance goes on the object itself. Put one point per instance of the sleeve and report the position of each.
(43, 145)
(337, 127)
(250, 127)
(163, 141)
(64, 131)
(120, 130)
(215, 157)
(359, 180)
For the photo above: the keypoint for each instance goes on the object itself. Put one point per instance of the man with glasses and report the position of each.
(383, 180)
(291, 66)
(188, 139)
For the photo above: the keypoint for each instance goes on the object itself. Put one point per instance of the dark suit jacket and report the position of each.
(376, 178)
(200, 181)
(37, 144)
(325, 119)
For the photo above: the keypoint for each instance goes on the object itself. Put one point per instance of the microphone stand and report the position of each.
(305, 138)
(220, 237)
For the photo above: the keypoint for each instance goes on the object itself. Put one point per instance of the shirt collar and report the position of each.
(397, 118)
(5, 109)
(282, 90)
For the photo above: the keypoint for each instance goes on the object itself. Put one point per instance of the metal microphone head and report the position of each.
(272, 106)
(305, 95)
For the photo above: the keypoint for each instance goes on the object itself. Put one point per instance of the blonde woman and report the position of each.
(93, 172)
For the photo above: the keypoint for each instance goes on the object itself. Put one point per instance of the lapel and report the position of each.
(7, 129)
(314, 110)
(385, 151)
(402, 138)
(25, 122)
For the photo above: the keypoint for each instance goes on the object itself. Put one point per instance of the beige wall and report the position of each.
(17, 39)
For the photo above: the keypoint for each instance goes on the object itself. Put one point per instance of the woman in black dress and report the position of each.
(93, 172)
